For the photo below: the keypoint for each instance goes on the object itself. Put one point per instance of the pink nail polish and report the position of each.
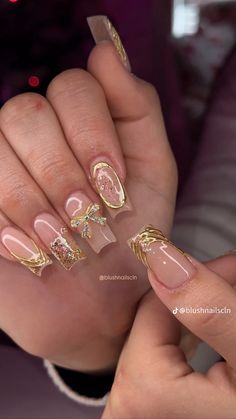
(103, 30)
(58, 240)
(169, 265)
(110, 189)
(25, 250)
(87, 220)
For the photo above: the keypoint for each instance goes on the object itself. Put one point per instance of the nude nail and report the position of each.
(59, 241)
(103, 30)
(169, 265)
(25, 250)
(110, 189)
(86, 218)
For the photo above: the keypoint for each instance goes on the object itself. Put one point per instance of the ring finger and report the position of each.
(21, 201)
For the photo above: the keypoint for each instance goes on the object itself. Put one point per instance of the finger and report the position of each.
(155, 333)
(135, 107)
(31, 127)
(225, 267)
(22, 201)
(150, 352)
(185, 287)
(81, 107)
(4, 222)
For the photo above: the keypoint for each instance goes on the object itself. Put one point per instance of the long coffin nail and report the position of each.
(170, 265)
(87, 220)
(25, 250)
(58, 240)
(110, 189)
(103, 30)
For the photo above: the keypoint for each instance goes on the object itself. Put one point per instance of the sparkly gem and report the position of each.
(86, 218)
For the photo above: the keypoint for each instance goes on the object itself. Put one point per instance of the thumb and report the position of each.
(200, 299)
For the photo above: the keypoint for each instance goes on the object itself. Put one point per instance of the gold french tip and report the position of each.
(103, 30)
(37, 264)
(66, 250)
(141, 243)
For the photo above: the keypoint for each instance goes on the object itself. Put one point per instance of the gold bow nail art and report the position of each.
(85, 218)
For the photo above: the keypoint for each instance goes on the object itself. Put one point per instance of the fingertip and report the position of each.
(104, 57)
(103, 30)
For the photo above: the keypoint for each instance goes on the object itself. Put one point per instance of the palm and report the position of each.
(76, 310)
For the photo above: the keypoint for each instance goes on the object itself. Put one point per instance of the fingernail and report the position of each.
(58, 240)
(25, 250)
(86, 218)
(103, 30)
(110, 189)
(168, 264)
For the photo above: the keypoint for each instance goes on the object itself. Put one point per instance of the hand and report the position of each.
(153, 378)
(47, 149)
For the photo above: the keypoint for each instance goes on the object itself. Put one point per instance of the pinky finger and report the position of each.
(4, 222)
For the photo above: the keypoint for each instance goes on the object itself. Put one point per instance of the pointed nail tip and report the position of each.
(39, 273)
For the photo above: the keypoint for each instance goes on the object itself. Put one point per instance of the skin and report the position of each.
(72, 318)
(153, 379)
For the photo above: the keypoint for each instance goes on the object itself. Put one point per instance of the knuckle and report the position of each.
(122, 402)
(17, 192)
(19, 106)
(89, 127)
(72, 82)
(51, 167)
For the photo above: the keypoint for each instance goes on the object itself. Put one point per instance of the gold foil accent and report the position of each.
(117, 42)
(84, 219)
(66, 250)
(102, 189)
(141, 243)
(35, 265)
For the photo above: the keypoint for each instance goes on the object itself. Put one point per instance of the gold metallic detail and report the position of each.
(141, 243)
(35, 265)
(109, 185)
(84, 219)
(117, 42)
(66, 250)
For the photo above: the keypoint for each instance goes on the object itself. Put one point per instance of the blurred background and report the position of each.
(177, 45)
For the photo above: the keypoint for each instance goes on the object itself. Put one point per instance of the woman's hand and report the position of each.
(153, 378)
(48, 151)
